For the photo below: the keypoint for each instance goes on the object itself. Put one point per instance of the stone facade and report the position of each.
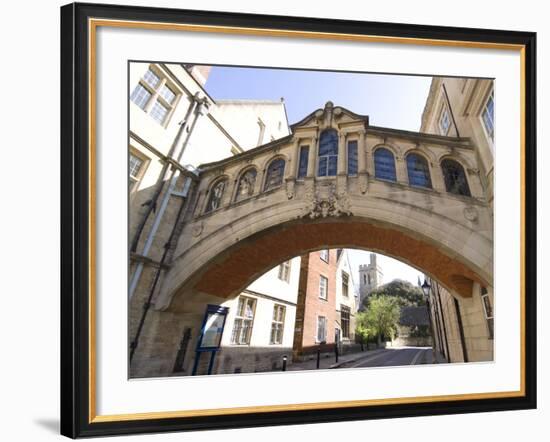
(370, 278)
(463, 328)
(463, 331)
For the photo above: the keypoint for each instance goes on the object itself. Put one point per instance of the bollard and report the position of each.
(362, 345)
(318, 357)
(284, 363)
(336, 352)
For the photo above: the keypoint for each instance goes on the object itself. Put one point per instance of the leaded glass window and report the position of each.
(384, 164)
(151, 78)
(418, 170)
(155, 95)
(455, 178)
(444, 122)
(168, 94)
(352, 158)
(215, 196)
(328, 153)
(275, 173)
(302, 165)
(246, 185)
(159, 112)
(140, 96)
(488, 116)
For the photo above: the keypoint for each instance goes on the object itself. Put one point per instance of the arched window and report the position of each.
(215, 195)
(245, 187)
(455, 178)
(418, 170)
(275, 173)
(328, 153)
(384, 164)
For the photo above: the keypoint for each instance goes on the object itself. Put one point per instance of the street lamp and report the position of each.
(426, 289)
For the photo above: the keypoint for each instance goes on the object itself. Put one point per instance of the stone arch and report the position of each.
(442, 248)
(422, 150)
(390, 146)
(262, 166)
(456, 156)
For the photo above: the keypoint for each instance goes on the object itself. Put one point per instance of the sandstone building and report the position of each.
(463, 326)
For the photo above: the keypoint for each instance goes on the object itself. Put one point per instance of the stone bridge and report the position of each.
(334, 182)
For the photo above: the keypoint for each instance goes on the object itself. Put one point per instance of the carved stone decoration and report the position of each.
(363, 182)
(470, 213)
(290, 189)
(197, 229)
(324, 203)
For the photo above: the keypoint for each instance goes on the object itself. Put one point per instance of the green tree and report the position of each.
(362, 330)
(404, 293)
(382, 317)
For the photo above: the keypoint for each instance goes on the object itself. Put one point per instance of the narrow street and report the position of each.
(391, 357)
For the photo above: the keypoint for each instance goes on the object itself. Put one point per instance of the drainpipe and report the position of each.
(461, 330)
(184, 124)
(450, 110)
(200, 110)
(165, 255)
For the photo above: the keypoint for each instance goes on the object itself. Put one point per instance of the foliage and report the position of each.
(404, 293)
(362, 330)
(380, 319)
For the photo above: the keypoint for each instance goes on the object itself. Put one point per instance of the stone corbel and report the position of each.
(290, 184)
(363, 178)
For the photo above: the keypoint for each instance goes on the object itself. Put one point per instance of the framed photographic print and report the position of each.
(273, 220)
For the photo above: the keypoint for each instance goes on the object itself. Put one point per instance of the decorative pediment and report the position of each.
(330, 116)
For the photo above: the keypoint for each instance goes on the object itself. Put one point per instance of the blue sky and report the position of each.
(390, 100)
(394, 101)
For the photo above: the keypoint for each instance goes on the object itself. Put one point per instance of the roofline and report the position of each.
(365, 118)
(463, 142)
(251, 152)
(245, 101)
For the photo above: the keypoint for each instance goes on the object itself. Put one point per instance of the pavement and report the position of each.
(383, 357)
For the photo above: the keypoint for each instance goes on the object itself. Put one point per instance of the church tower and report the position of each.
(370, 278)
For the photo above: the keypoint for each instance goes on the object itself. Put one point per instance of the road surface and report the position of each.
(391, 357)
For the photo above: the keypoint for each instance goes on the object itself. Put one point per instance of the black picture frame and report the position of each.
(75, 220)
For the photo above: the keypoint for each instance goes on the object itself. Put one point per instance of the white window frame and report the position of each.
(156, 95)
(324, 337)
(345, 309)
(321, 286)
(345, 277)
(277, 325)
(325, 255)
(284, 271)
(136, 179)
(243, 323)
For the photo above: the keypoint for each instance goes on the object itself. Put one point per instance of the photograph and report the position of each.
(282, 220)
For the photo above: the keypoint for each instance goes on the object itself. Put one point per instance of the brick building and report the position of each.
(326, 304)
